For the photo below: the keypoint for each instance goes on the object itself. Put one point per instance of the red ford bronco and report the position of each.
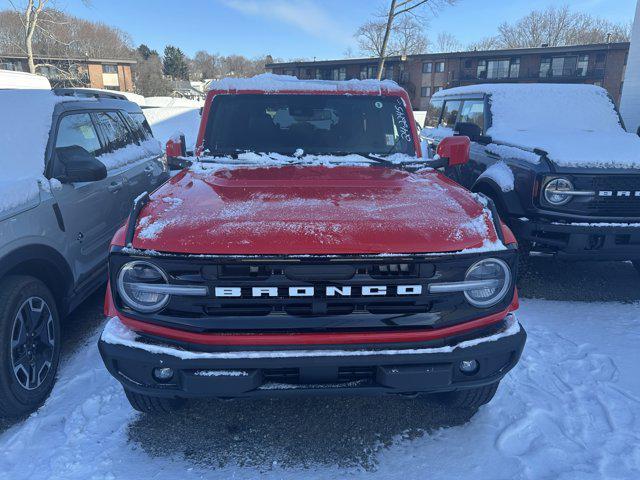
(310, 248)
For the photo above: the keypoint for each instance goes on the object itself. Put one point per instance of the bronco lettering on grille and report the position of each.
(619, 193)
(330, 291)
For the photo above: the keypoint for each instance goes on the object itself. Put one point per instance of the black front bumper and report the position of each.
(376, 370)
(581, 241)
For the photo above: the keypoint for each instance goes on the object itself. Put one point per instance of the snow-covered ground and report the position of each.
(570, 410)
(165, 122)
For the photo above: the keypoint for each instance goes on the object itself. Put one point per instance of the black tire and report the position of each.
(148, 404)
(469, 399)
(27, 374)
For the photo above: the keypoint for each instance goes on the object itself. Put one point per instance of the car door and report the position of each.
(154, 165)
(123, 158)
(87, 208)
(472, 110)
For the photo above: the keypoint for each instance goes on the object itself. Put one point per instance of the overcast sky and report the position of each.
(300, 28)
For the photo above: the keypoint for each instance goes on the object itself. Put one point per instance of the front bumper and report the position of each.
(581, 241)
(366, 370)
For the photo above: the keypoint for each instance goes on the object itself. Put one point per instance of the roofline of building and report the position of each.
(464, 53)
(73, 59)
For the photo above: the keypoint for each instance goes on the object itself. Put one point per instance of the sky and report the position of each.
(289, 29)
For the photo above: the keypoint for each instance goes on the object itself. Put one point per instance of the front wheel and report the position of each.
(468, 399)
(29, 344)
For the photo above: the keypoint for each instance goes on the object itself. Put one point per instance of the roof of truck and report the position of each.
(271, 83)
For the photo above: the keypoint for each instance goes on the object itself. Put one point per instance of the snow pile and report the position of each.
(24, 132)
(252, 159)
(577, 125)
(130, 154)
(165, 122)
(569, 410)
(500, 173)
(270, 82)
(165, 102)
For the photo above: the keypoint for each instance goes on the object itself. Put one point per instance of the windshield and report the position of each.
(316, 124)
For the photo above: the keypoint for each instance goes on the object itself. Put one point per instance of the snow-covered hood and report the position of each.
(581, 149)
(297, 210)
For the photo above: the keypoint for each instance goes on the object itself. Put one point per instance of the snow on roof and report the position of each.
(270, 82)
(20, 80)
(577, 125)
(24, 132)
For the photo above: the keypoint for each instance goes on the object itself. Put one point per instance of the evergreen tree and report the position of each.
(175, 63)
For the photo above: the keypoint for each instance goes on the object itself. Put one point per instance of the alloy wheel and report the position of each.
(32, 343)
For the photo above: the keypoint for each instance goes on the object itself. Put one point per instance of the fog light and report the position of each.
(163, 374)
(469, 367)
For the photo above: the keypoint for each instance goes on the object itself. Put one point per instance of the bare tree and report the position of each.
(487, 43)
(398, 9)
(36, 30)
(30, 17)
(407, 37)
(446, 42)
(560, 26)
(204, 65)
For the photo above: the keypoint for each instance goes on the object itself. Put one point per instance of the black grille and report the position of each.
(617, 204)
(279, 311)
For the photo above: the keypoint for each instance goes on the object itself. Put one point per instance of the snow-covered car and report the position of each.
(556, 160)
(337, 262)
(71, 163)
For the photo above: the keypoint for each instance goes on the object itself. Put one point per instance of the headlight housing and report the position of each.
(490, 293)
(553, 191)
(132, 280)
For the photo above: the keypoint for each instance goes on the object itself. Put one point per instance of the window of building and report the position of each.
(450, 113)
(368, 71)
(432, 117)
(110, 69)
(14, 66)
(568, 66)
(472, 112)
(425, 91)
(498, 68)
(289, 71)
(514, 68)
(339, 73)
(468, 63)
(439, 67)
(583, 65)
(427, 67)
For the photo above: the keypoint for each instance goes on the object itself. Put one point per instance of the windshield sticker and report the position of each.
(403, 124)
(390, 140)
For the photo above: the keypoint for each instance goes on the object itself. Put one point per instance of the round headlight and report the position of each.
(553, 191)
(496, 277)
(132, 280)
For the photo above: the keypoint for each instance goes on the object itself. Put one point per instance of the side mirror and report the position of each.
(176, 150)
(471, 130)
(454, 150)
(78, 165)
(468, 129)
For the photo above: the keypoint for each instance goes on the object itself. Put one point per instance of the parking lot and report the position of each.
(526, 431)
